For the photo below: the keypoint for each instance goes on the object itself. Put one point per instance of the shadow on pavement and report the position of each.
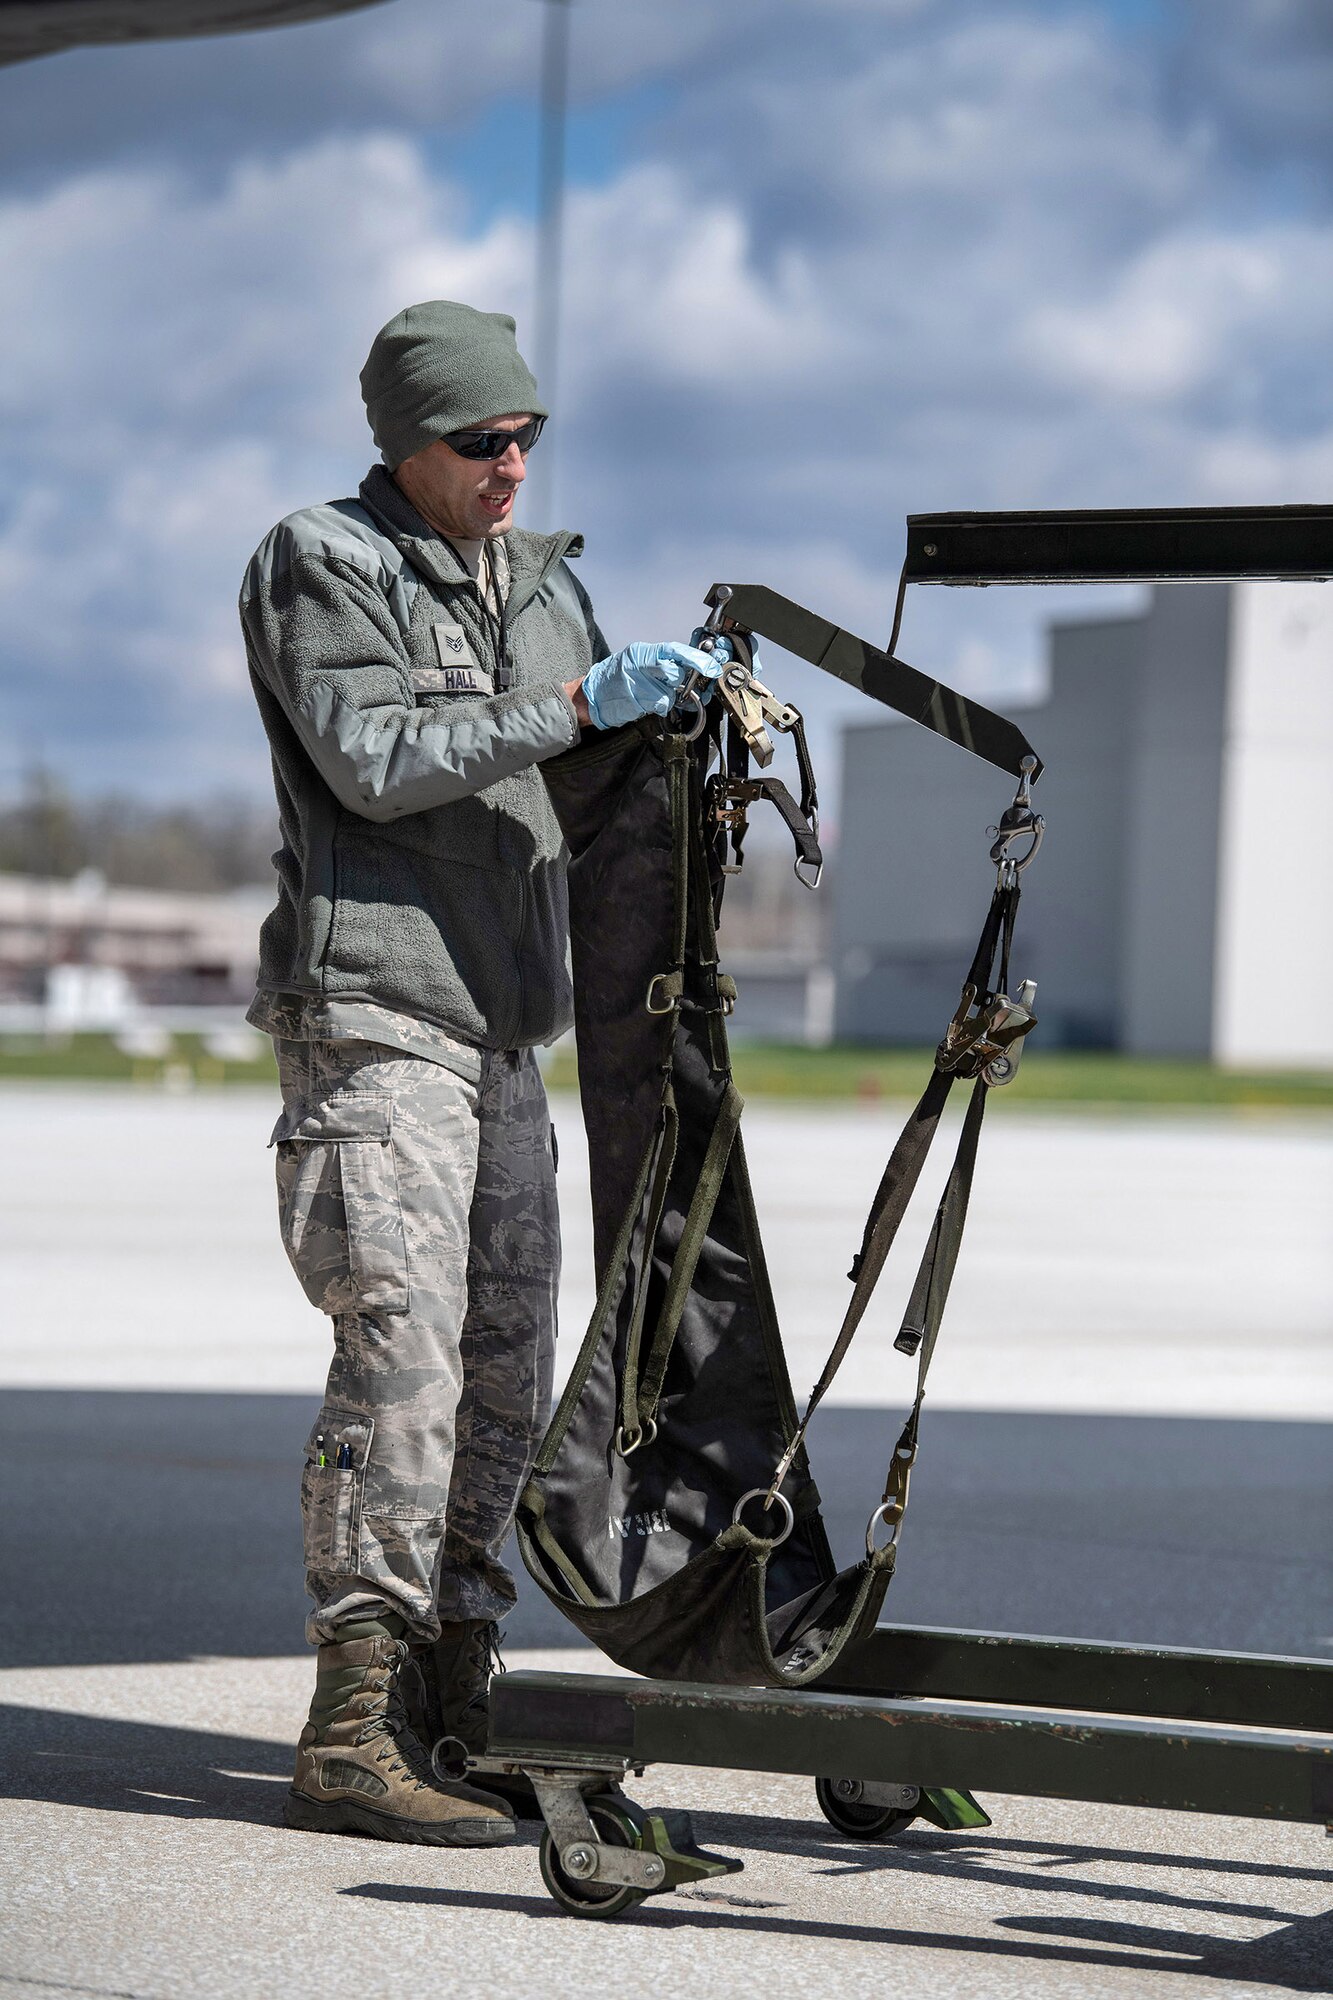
(189, 1774)
(1294, 1957)
(157, 1526)
(141, 1767)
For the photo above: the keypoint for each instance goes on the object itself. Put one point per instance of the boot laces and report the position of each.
(484, 1660)
(399, 1744)
(449, 1754)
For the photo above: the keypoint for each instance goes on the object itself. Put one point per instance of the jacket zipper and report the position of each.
(556, 554)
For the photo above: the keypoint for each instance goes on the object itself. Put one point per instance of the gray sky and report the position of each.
(827, 262)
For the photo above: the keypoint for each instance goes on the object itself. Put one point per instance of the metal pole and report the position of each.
(550, 226)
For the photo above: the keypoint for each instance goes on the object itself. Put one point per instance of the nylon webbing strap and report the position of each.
(669, 1132)
(925, 1308)
(707, 1189)
(640, 1396)
(665, 989)
(654, 1175)
(679, 772)
(886, 1213)
(678, 766)
(738, 772)
(935, 1274)
(996, 933)
(606, 1297)
(809, 793)
(795, 818)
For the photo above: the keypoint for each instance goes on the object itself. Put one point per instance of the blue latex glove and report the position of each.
(644, 680)
(724, 651)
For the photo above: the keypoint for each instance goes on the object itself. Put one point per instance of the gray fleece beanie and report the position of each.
(440, 367)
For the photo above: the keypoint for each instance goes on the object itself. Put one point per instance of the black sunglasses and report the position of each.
(494, 444)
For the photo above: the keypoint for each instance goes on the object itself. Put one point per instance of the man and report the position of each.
(415, 658)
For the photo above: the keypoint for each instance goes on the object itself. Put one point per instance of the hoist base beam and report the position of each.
(545, 1720)
(1259, 1690)
(1137, 545)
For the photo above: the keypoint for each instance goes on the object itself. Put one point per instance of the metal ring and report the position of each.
(675, 721)
(645, 1433)
(891, 1514)
(778, 1500)
(653, 984)
(449, 1769)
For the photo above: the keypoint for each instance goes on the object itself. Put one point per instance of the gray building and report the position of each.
(1179, 904)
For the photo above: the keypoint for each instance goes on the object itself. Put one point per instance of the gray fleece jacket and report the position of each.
(421, 866)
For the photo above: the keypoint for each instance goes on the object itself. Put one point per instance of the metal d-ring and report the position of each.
(774, 1500)
(629, 1441)
(890, 1512)
(650, 1005)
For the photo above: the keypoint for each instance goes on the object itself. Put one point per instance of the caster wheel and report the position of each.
(592, 1899)
(840, 1802)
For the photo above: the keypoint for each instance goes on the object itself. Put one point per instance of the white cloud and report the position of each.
(1191, 308)
(981, 265)
(666, 289)
(181, 371)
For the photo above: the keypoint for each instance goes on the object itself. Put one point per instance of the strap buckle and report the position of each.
(985, 1038)
(755, 708)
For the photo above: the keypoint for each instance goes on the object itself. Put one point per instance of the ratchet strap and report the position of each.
(925, 1310)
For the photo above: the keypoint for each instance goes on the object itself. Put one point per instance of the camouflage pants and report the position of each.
(419, 1210)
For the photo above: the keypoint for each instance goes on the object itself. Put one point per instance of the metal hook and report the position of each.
(1017, 822)
(685, 700)
(717, 599)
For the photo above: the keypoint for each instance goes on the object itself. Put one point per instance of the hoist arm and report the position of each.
(1129, 545)
(993, 737)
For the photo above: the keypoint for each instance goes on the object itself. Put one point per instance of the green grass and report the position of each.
(96, 1059)
(1055, 1077)
(762, 1070)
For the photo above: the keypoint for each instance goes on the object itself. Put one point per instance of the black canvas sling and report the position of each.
(672, 1514)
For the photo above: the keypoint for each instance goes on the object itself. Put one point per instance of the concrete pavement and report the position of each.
(143, 1858)
(1177, 1265)
(156, 1526)
(1128, 1439)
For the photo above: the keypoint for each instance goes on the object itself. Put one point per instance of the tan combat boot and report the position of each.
(359, 1767)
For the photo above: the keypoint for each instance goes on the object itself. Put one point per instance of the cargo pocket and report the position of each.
(338, 1204)
(333, 1489)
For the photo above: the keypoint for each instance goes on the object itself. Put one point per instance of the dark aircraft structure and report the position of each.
(43, 27)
